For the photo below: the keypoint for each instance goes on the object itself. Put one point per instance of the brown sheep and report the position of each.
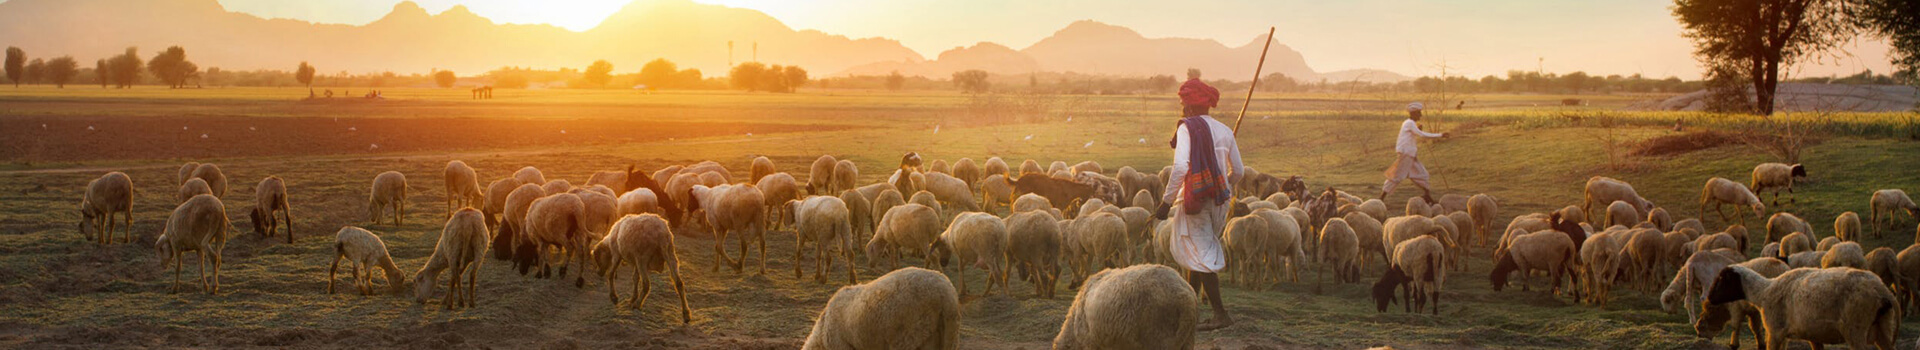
(976, 239)
(463, 186)
(1483, 209)
(1823, 306)
(461, 242)
(108, 195)
(1138, 307)
(1033, 249)
(825, 220)
(216, 180)
(910, 308)
(198, 225)
(1062, 194)
(1776, 177)
(845, 175)
(820, 175)
(389, 192)
(733, 209)
(364, 251)
(1887, 202)
(1551, 252)
(270, 197)
(1605, 190)
(1416, 271)
(759, 169)
(646, 241)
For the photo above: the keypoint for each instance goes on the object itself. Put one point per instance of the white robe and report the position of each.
(1196, 238)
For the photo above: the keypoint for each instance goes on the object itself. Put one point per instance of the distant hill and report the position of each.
(409, 39)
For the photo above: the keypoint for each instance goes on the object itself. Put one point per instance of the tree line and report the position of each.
(170, 67)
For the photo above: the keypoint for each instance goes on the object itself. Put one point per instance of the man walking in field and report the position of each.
(1205, 160)
(1407, 165)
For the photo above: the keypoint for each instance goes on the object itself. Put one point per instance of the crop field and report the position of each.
(58, 290)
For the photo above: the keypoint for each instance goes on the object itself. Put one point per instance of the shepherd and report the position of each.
(1205, 160)
(1408, 166)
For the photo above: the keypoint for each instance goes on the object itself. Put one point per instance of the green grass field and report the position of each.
(57, 290)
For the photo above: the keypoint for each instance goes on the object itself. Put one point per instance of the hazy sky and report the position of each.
(1474, 37)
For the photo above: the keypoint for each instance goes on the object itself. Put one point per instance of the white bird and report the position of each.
(1143, 140)
(1089, 144)
(1069, 118)
(749, 134)
(203, 136)
(89, 128)
(936, 129)
(1029, 137)
(353, 128)
(43, 126)
(251, 129)
(181, 128)
(373, 146)
(1265, 117)
(563, 131)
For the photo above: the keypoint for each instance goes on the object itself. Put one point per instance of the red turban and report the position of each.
(1197, 93)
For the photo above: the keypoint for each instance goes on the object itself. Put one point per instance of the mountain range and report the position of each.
(694, 35)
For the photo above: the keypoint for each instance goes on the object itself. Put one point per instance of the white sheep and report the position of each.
(994, 191)
(1551, 252)
(363, 251)
(646, 241)
(967, 171)
(1248, 249)
(1884, 204)
(1418, 207)
(1776, 177)
(1827, 243)
(1138, 307)
(496, 201)
(886, 200)
(108, 195)
(1483, 209)
(846, 176)
(1690, 284)
(513, 219)
(860, 214)
(529, 175)
(1370, 233)
(951, 190)
(557, 186)
(1844, 254)
(1820, 306)
(995, 166)
(760, 168)
(197, 225)
(1030, 167)
(778, 189)
(1660, 219)
(1286, 236)
(910, 227)
(939, 166)
(977, 239)
(555, 222)
(733, 209)
(1339, 249)
(1033, 249)
(1908, 265)
(389, 192)
(1031, 202)
(461, 243)
(909, 308)
(1621, 213)
(463, 186)
(186, 172)
(638, 201)
(1721, 191)
(820, 175)
(1093, 242)
(1605, 190)
(270, 197)
(1416, 270)
(825, 220)
(599, 210)
(1847, 226)
(193, 187)
(216, 180)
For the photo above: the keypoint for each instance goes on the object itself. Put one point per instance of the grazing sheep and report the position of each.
(1033, 249)
(845, 175)
(496, 201)
(1370, 233)
(1133, 181)
(1720, 191)
(906, 181)
(1776, 176)
(1483, 209)
(995, 166)
(1771, 250)
(615, 180)
(389, 192)
(730, 209)
(1827, 243)
(1521, 225)
(1845, 254)
(1601, 257)
(977, 239)
(186, 172)
(1282, 200)
(1573, 212)
(514, 219)
(1739, 233)
(1645, 253)
(910, 227)
(1030, 167)
(108, 195)
(1062, 194)
(1339, 250)
(459, 248)
(720, 175)
(940, 166)
(1621, 213)
(885, 201)
(859, 214)
(197, 225)
(1690, 284)
(967, 171)
(1058, 166)
(1883, 262)
(270, 197)
(1550, 252)
(1093, 242)
(1783, 223)
(554, 225)
(1907, 263)
(463, 186)
(779, 188)
(1605, 190)
(638, 201)
(824, 220)
(363, 251)
(1847, 226)
(216, 180)
(1885, 203)
(1087, 166)
(1403, 228)
(759, 168)
(193, 187)
(557, 186)
(1248, 248)
(1416, 271)
(599, 211)
(910, 308)
(1739, 312)
(1822, 306)
(1138, 307)
(952, 191)
(1089, 207)
(994, 191)
(1139, 229)
(1031, 202)
(529, 175)
(1660, 219)
(928, 199)
(1690, 223)
(1162, 238)
(1418, 207)
(646, 241)
(1144, 199)
(1374, 208)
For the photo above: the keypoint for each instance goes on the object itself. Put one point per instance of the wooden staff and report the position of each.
(1255, 83)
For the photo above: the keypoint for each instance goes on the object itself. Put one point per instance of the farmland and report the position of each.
(56, 290)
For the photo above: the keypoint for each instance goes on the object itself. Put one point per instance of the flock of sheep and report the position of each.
(1100, 229)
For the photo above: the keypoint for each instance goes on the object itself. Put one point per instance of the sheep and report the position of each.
(1138, 307)
(638, 201)
(1660, 219)
(1689, 285)
(1826, 243)
(778, 189)
(193, 187)
(1248, 249)
(1031, 202)
(108, 195)
(1783, 223)
(885, 201)
(677, 188)
(270, 197)
(906, 181)
(1690, 223)
(1845, 254)
(555, 222)
(1483, 209)
(845, 175)
(1605, 190)
(910, 308)
(197, 225)
(514, 219)
(1370, 234)
(1162, 239)
(1776, 176)
(859, 214)
(1339, 249)
(1720, 191)
(911, 227)
(1133, 181)
(1418, 207)
(461, 242)
(1546, 251)
(1033, 249)
(1030, 167)
(1090, 206)
(557, 186)
(1144, 199)
(216, 180)
(1058, 166)
(940, 166)
(363, 251)
(1822, 306)
(1462, 224)
(1621, 213)
(977, 239)
(967, 171)
(186, 172)
(951, 190)
(463, 186)
(1601, 258)
(1093, 241)
(995, 166)
(599, 210)
(1771, 250)
(1739, 233)
(646, 241)
(1521, 225)
(1403, 228)
(615, 180)
(1847, 226)
(733, 208)
(1645, 252)
(1882, 262)
(1573, 212)
(1884, 203)
(823, 220)
(1416, 270)
(1907, 263)
(720, 174)
(1281, 200)
(928, 199)
(389, 192)
(496, 201)
(759, 168)
(529, 175)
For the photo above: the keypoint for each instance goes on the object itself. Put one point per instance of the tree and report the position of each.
(15, 59)
(61, 70)
(172, 67)
(794, 77)
(126, 68)
(895, 81)
(1164, 83)
(599, 73)
(446, 78)
(746, 76)
(659, 73)
(971, 81)
(1899, 22)
(688, 78)
(1576, 81)
(36, 71)
(773, 79)
(1762, 36)
(102, 72)
(305, 75)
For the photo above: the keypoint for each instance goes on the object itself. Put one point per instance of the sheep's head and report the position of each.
(1727, 287)
(1713, 319)
(86, 219)
(260, 219)
(941, 252)
(602, 256)
(422, 287)
(1759, 209)
(1671, 298)
(164, 248)
(873, 252)
(524, 256)
(1383, 290)
(1799, 171)
(1506, 265)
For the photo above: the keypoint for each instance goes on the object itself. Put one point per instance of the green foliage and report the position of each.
(61, 70)
(599, 73)
(172, 67)
(1760, 37)
(895, 81)
(445, 79)
(304, 74)
(36, 71)
(1899, 22)
(972, 81)
(16, 59)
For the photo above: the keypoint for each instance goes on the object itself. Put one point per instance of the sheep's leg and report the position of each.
(742, 263)
(177, 266)
(613, 294)
(288, 214)
(333, 271)
(216, 272)
(473, 279)
(453, 289)
(643, 287)
(720, 251)
(673, 270)
(761, 231)
(202, 257)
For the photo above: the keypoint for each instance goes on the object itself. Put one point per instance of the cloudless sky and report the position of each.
(1472, 37)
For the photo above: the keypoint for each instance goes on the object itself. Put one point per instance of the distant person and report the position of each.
(1407, 165)
(1205, 160)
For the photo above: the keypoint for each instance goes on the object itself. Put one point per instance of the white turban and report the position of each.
(1415, 106)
